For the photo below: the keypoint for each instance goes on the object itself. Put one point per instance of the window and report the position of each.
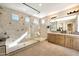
(42, 21)
(15, 17)
(27, 19)
(36, 21)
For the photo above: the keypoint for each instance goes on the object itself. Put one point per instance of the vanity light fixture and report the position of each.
(75, 11)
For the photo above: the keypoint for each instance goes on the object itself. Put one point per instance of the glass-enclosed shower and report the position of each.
(22, 30)
(28, 33)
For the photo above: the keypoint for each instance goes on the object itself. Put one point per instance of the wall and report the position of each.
(62, 14)
(15, 30)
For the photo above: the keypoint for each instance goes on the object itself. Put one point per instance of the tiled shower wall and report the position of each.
(13, 29)
(16, 29)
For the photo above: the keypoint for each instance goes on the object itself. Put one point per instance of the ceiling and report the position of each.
(45, 9)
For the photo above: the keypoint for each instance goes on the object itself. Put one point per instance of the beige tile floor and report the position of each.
(45, 48)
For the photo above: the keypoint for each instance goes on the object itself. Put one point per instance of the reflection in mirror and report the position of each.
(53, 26)
(61, 25)
(70, 27)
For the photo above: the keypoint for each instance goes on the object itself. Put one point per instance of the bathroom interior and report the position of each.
(32, 29)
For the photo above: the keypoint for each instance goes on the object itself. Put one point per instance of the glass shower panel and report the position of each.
(27, 25)
(36, 28)
(43, 28)
(27, 33)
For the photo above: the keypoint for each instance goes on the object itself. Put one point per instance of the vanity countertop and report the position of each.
(64, 33)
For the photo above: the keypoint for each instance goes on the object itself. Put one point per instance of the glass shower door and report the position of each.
(35, 26)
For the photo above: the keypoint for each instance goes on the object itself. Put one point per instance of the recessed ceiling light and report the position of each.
(40, 4)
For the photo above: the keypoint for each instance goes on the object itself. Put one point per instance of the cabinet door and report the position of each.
(60, 40)
(76, 43)
(68, 42)
(2, 50)
(51, 38)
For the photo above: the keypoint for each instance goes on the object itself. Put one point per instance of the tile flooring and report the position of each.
(46, 48)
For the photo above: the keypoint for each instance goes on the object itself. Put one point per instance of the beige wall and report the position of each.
(61, 14)
(16, 29)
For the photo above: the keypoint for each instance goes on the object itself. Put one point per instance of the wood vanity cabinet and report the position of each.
(72, 42)
(60, 40)
(51, 38)
(75, 40)
(56, 38)
(68, 41)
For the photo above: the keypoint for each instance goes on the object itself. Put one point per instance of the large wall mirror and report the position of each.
(64, 24)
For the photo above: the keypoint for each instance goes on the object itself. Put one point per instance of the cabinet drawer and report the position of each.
(2, 50)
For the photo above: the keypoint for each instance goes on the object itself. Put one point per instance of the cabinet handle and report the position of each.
(71, 43)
